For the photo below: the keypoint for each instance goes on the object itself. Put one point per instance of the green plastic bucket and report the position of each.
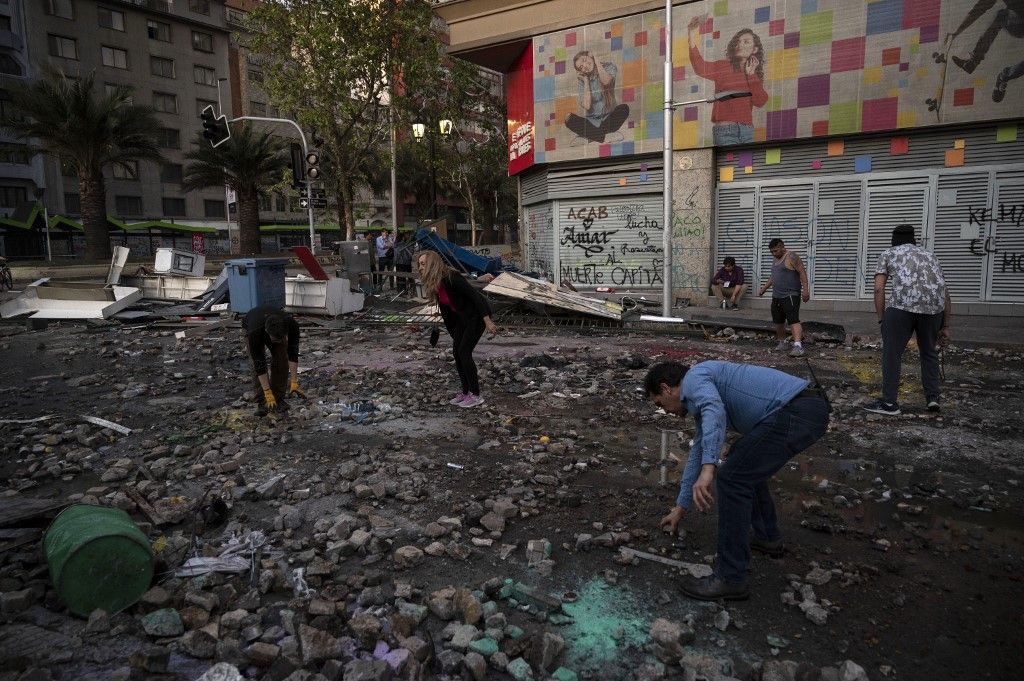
(98, 558)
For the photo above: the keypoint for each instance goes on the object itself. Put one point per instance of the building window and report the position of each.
(165, 102)
(72, 204)
(10, 66)
(15, 154)
(213, 208)
(204, 76)
(273, 111)
(161, 66)
(264, 203)
(174, 207)
(113, 89)
(110, 18)
(114, 57)
(169, 138)
(60, 8)
(258, 108)
(202, 104)
(12, 197)
(60, 46)
(281, 205)
(128, 171)
(128, 205)
(7, 114)
(255, 76)
(202, 41)
(200, 6)
(171, 173)
(158, 30)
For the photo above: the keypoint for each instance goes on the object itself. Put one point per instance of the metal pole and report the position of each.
(312, 231)
(394, 174)
(666, 217)
(433, 178)
(46, 226)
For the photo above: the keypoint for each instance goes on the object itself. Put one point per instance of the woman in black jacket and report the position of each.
(465, 313)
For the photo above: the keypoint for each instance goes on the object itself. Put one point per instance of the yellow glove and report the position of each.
(295, 390)
(269, 399)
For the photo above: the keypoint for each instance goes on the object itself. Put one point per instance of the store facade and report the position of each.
(859, 119)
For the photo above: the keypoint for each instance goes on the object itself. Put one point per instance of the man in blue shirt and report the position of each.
(778, 416)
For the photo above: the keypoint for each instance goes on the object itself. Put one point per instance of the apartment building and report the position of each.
(173, 54)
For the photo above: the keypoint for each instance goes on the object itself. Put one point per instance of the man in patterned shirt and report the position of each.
(919, 304)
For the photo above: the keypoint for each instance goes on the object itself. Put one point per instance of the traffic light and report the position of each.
(215, 129)
(313, 165)
(298, 169)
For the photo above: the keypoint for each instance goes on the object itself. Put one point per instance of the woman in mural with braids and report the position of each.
(732, 120)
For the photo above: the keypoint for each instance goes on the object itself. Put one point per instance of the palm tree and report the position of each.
(248, 162)
(64, 118)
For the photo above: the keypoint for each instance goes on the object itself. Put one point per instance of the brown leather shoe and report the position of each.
(712, 589)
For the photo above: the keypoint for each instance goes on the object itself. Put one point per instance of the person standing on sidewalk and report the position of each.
(403, 261)
(385, 245)
(466, 314)
(729, 282)
(919, 304)
(778, 416)
(788, 282)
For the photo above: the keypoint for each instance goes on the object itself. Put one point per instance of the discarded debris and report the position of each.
(103, 423)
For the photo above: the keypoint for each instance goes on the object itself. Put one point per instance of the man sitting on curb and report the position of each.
(778, 416)
(729, 282)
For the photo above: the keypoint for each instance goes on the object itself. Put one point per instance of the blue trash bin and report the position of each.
(256, 281)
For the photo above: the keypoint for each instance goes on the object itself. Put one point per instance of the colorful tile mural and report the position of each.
(814, 67)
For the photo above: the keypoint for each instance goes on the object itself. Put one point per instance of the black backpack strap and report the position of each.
(817, 385)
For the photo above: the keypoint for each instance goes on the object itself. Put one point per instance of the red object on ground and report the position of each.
(309, 261)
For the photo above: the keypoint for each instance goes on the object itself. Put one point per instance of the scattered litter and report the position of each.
(230, 559)
(103, 423)
(455, 466)
(21, 421)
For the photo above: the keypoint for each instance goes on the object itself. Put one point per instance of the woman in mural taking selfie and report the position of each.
(732, 121)
(595, 80)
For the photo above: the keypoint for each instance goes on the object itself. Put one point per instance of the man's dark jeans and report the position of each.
(897, 326)
(744, 500)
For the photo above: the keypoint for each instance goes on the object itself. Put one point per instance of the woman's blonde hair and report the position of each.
(432, 273)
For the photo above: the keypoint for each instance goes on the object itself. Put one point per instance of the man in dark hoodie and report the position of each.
(268, 328)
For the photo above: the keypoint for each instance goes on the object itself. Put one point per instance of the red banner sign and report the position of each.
(198, 244)
(519, 101)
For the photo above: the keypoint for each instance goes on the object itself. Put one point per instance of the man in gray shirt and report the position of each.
(789, 286)
(919, 304)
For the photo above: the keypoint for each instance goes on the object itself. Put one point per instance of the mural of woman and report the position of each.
(732, 121)
(596, 98)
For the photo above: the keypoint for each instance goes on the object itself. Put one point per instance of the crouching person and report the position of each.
(268, 328)
(778, 416)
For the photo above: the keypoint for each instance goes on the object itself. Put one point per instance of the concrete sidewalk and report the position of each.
(973, 330)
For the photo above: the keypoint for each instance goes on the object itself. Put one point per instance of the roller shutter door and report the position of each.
(889, 204)
(784, 214)
(1006, 280)
(835, 259)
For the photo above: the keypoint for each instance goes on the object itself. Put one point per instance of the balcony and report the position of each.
(234, 17)
(165, 6)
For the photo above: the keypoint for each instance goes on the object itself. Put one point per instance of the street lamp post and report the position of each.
(419, 131)
(670, 106)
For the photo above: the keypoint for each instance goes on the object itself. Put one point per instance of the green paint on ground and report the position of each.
(607, 621)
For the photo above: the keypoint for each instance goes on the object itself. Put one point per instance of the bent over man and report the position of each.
(778, 417)
(268, 328)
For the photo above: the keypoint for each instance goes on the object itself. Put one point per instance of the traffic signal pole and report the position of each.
(305, 152)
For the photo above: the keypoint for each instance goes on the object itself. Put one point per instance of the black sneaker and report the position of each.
(773, 549)
(1000, 90)
(933, 405)
(967, 65)
(883, 407)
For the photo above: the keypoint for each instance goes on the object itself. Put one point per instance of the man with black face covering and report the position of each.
(268, 328)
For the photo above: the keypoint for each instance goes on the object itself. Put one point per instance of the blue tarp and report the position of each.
(456, 256)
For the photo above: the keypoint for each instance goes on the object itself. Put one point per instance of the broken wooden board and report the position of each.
(519, 287)
(16, 509)
(19, 536)
(103, 423)
(697, 570)
(204, 328)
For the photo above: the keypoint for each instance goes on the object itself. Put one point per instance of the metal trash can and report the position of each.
(98, 558)
(256, 281)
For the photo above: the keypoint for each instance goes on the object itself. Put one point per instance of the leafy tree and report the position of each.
(333, 63)
(249, 162)
(67, 119)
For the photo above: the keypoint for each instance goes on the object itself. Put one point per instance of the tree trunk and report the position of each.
(340, 205)
(94, 217)
(472, 219)
(249, 222)
(350, 208)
